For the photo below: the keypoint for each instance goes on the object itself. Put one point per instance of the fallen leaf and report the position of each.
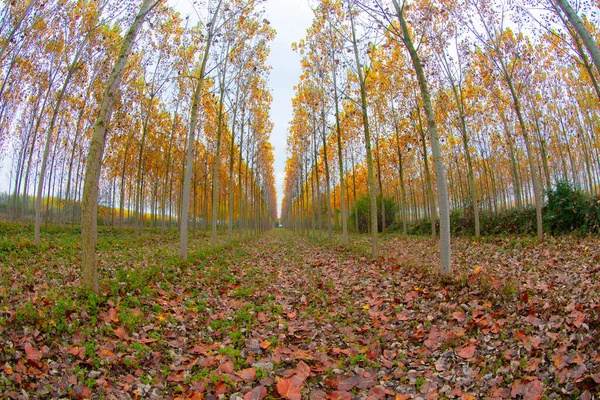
(73, 350)
(466, 352)
(532, 364)
(288, 389)
(247, 374)
(120, 333)
(32, 353)
(340, 395)
(533, 320)
(194, 395)
(533, 390)
(516, 389)
(318, 395)
(227, 367)
(258, 393)
(459, 316)
(176, 378)
(302, 370)
(222, 388)
(111, 316)
(105, 353)
(82, 392)
(265, 344)
(562, 361)
(7, 369)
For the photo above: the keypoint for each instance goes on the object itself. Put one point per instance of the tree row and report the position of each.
(128, 112)
(469, 107)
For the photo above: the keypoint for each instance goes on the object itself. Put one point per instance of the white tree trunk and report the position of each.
(187, 183)
(436, 149)
(370, 172)
(581, 30)
(89, 217)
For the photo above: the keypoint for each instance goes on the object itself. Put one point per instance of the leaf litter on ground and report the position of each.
(291, 317)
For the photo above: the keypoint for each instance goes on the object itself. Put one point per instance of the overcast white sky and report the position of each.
(290, 18)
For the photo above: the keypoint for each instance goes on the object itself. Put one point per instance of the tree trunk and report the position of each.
(537, 192)
(317, 205)
(354, 193)
(215, 177)
(380, 181)
(588, 41)
(327, 182)
(403, 213)
(38, 120)
(367, 133)
(231, 165)
(513, 165)
(429, 185)
(183, 239)
(340, 159)
(458, 98)
(445, 267)
(89, 216)
(168, 167)
(240, 193)
(56, 109)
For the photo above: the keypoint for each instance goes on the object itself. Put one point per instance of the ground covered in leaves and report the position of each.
(287, 316)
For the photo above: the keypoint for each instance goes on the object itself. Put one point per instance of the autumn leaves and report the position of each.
(466, 108)
(130, 114)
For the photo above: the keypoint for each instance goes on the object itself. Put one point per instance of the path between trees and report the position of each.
(291, 317)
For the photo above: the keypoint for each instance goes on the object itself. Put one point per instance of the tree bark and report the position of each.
(327, 180)
(588, 41)
(445, 267)
(216, 183)
(367, 133)
(183, 236)
(340, 159)
(89, 217)
(168, 167)
(38, 199)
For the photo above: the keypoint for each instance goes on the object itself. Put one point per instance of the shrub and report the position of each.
(423, 227)
(566, 209)
(462, 224)
(510, 222)
(592, 215)
(361, 208)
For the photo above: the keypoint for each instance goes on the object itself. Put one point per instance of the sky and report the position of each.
(291, 19)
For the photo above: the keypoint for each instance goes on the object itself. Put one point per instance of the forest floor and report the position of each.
(292, 317)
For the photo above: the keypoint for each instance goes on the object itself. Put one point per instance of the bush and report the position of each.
(462, 224)
(361, 208)
(566, 209)
(510, 222)
(423, 227)
(592, 215)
